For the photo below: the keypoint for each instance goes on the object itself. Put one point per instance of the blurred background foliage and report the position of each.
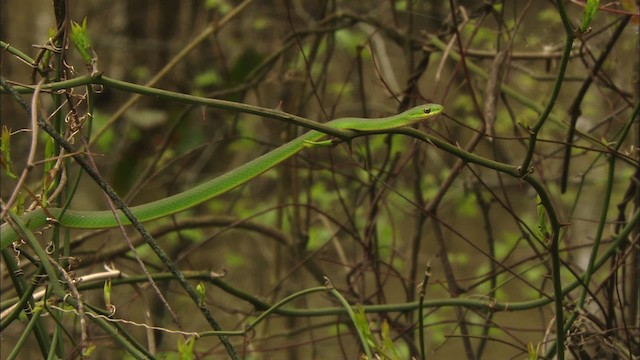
(372, 216)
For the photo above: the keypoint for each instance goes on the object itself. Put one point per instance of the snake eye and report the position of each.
(427, 110)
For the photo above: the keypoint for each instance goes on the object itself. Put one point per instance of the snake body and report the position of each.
(176, 203)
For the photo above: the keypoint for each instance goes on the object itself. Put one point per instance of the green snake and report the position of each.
(176, 203)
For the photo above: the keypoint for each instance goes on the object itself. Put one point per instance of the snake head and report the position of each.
(421, 112)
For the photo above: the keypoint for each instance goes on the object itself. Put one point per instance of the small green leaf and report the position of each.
(87, 351)
(388, 347)
(533, 352)
(80, 38)
(351, 40)
(48, 53)
(200, 289)
(185, 348)
(49, 182)
(589, 12)
(361, 322)
(5, 152)
(524, 125)
(18, 207)
(106, 293)
(49, 152)
(234, 259)
(207, 78)
(543, 229)
(222, 6)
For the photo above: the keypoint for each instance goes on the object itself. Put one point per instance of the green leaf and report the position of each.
(49, 183)
(533, 352)
(221, 6)
(49, 152)
(234, 260)
(200, 290)
(361, 322)
(549, 16)
(81, 41)
(589, 12)
(48, 53)
(207, 78)
(351, 40)
(87, 351)
(388, 347)
(543, 229)
(185, 348)
(106, 293)
(5, 152)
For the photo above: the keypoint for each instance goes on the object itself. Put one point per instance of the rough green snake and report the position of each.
(176, 203)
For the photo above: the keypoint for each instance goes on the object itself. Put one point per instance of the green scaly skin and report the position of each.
(176, 203)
